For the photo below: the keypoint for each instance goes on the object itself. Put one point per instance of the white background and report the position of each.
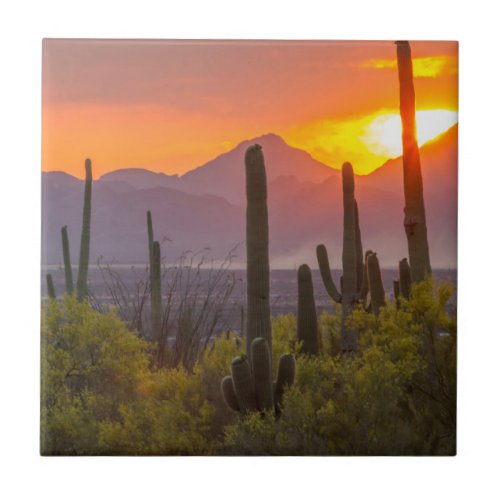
(473, 473)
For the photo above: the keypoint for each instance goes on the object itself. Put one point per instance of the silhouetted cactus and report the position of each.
(257, 244)
(404, 278)
(414, 220)
(307, 321)
(83, 265)
(68, 271)
(351, 287)
(156, 310)
(251, 388)
(377, 293)
(51, 291)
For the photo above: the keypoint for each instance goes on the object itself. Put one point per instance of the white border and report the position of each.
(471, 473)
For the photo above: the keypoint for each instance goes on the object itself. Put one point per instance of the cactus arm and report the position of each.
(414, 220)
(227, 389)
(326, 274)
(257, 244)
(263, 374)
(68, 272)
(243, 384)
(307, 321)
(363, 291)
(83, 265)
(50, 286)
(377, 292)
(286, 376)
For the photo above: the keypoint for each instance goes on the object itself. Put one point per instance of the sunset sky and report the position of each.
(172, 106)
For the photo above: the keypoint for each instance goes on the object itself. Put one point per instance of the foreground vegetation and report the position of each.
(102, 392)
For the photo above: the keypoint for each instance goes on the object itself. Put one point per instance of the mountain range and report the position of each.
(205, 208)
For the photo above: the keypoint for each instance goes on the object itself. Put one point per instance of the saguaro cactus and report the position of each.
(250, 386)
(257, 243)
(404, 278)
(351, 287)
(50, 286)
(150, 235)
(377, 293)
(414, 219)
(68, 272)
(83, 266)
(156, 312)
(307, 321)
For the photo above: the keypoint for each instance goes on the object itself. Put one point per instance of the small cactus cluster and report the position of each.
(83, 267)
(250, 386)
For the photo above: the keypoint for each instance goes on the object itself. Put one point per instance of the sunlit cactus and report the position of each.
(414, 219)
(377, 293)
(68, 271)
(83, 265)
(51, 291)
(257, 244)
(404, 278)
(307, 321)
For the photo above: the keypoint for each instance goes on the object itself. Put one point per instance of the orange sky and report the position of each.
(172, 106)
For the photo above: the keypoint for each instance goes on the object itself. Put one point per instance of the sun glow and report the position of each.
(383, 133)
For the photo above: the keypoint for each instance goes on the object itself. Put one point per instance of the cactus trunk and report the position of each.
(414, 220)
(156, 313)
(68, 272)
(83, 265)
(243, 384)
(257, 244)
(263, 374)
(307, 321)
(349, 261)
(360, 265)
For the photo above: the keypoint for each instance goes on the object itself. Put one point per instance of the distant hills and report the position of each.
(205, 208)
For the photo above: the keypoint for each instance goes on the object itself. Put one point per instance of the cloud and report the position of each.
(423, 67)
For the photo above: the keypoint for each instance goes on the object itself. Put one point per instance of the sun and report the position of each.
(383, 134)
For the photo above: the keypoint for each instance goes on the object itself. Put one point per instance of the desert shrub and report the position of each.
(91, 364)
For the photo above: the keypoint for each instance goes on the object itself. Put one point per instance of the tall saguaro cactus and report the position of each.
(257, 244)
(68, 272)
(83, 265)
(414, 220)
(377, 293)
(156, 312)
(352, 288)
